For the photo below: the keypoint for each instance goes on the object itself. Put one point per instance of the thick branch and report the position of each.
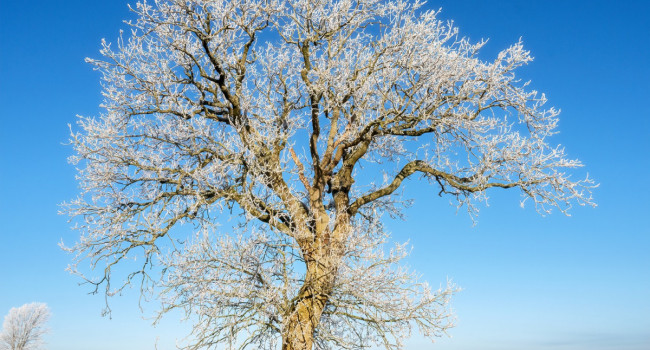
(460, 183)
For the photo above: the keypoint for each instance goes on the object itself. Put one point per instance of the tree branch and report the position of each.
(461, 183)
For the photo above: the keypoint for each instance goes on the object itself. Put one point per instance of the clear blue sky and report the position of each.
(530, 282)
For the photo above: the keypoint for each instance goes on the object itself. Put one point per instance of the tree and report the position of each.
(23, 327)
(297, 122)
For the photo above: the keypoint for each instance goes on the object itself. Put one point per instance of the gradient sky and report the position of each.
(529, 282)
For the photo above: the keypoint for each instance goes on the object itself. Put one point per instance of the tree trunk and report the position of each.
(306, 312)
(323, 257)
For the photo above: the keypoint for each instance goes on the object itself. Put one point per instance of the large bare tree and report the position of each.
(280, 132)
(24, 327)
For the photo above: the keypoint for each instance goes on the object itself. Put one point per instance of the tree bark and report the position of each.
(305, 314)
(323, 257)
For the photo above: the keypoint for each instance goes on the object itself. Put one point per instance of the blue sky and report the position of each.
(529, 282)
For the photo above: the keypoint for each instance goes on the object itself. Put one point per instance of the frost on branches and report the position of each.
(279, 133)
(23, 327)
